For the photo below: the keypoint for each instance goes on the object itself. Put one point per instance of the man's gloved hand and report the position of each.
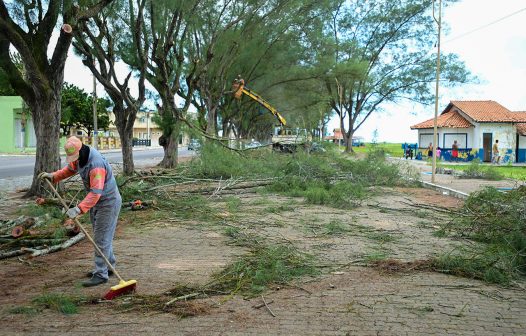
(73, 212)
(45, 175)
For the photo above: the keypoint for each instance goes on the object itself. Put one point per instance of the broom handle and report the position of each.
(85, 232)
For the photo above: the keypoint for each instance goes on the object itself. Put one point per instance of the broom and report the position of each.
(124, 287)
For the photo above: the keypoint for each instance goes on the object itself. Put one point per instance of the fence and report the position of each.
(142, 142)
(103, 142)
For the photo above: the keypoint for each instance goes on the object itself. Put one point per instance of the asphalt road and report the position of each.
(22, 165)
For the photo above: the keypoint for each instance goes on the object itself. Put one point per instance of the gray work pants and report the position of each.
(103, 219)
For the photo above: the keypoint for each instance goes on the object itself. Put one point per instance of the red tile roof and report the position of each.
(446, 119)
(521, 128)
(484, 110)
(520, 115)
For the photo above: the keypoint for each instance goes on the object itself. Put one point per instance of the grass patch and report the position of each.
(25, 310)
(233, 203)
(335, 227)
(392, 149)
(278, 209)
(476, 170)
(512, 172)
(420, 213)
(239, 237)
(62, 303)
(375, 256)
(441, 233)
(263, 267)
(382, 237)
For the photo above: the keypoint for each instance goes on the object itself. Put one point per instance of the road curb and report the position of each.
(445, 190)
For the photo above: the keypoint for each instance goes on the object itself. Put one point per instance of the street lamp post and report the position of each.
(435, 127)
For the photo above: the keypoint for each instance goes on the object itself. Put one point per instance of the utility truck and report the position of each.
(284, 138)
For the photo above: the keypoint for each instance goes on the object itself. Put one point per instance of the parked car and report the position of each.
(194, 145)
(316, 147)
(253, 144)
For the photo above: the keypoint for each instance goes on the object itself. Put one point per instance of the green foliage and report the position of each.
(263, 267)
(325, 179)
(497, 221)
(77, 110)
(59, 302)
(33, 210)
(493, 265)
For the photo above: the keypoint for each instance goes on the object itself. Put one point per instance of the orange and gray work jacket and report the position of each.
(98, 180)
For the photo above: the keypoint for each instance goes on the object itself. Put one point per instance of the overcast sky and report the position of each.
(495, 54)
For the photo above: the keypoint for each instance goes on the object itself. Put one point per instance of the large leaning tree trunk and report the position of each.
(103, 41)
(28, 26)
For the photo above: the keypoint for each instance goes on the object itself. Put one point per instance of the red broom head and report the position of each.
(125, 287)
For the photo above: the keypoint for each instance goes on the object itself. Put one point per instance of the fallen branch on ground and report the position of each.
(55, 248)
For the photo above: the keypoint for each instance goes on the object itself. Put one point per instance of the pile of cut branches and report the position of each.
(33, 236)
(498, 221)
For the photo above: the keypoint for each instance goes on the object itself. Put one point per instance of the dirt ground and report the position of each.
(348, 298)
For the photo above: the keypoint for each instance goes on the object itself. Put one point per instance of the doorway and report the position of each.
(487, 139)
(517, 139)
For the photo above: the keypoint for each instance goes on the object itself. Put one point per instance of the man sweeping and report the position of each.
(103, 200)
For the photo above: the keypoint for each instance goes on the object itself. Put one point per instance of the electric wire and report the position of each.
(486, 25)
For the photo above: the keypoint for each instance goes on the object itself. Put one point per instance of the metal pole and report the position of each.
(95, 143)
(148, 137)
(435, 128)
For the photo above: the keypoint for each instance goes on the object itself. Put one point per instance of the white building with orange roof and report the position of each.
(475, 125)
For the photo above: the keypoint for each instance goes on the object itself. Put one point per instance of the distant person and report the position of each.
(439, 152)
(454, 151)
(496, 154)
(409, 153)
(430, 150)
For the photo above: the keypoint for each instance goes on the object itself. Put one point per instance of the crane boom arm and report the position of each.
(265, 104)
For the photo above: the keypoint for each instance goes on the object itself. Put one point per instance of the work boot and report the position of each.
(94, 281)
(90, 274)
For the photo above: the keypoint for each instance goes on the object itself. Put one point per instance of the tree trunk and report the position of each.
(46, 117)
(124, 121)
(211, 120)
(348, 141)
(171, 149)
(127, 152)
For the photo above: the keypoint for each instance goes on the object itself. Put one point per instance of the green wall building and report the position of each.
(18, 133)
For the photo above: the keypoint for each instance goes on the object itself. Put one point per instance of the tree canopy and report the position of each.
(310, 59)
(77, 110)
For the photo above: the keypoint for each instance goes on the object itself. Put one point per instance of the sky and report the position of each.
(495, 54)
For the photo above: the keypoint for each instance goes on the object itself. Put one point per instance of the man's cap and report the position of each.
(72, 148)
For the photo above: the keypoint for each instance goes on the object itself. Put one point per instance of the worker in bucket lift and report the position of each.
(103, 200)
(237, 86)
